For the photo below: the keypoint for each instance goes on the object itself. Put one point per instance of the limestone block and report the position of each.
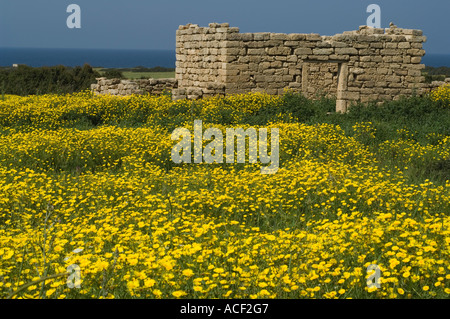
(418, 39)
(346, 51)
(391, 45)
(338, 44)
(261, 36)
(376, 45)
(292, 58)
(303, 51)
(276, 64)
(364, 45)
(244, 59)
(339, 57)
(395, 85)
(405, 45)
(324, 44)
(367, 59)
(236, 37)
(296, 37)
(416, 52)
(313, 37)
(255, 58)
(235, 51)
(393, 78)
(264, 65)
(356, 71)
(278, 36)
(327, 51)
(389, 52)
(247, 37)
(254, 44)
(367, 38)
(256, 51)
(368, 84)
(279, 51)
(222, 30)
(292, 43)
(282, 58)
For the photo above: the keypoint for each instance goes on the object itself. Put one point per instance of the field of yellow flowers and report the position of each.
(88, 181)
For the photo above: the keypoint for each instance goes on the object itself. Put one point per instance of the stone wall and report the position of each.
(128, 87)
(367, 64)
(435, 84)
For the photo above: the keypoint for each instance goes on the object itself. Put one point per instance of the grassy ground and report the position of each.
(130, 74)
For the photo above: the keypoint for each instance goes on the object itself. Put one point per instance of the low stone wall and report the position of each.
(158, 86)
(428, 87)
(138, 86)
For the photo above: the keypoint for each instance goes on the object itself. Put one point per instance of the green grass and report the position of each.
(148, 75)
(130, 73)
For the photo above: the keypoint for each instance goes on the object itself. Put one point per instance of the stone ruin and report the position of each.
(369, 64)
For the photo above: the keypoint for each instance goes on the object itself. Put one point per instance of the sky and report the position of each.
(151, 24)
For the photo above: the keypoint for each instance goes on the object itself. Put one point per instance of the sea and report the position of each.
(113, 58)
(106, 58)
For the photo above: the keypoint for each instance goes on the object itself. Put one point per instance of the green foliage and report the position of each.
(294, 107)
(139, 69)
(443, 70)
(25, 80)
(436, 74)
(113, 74)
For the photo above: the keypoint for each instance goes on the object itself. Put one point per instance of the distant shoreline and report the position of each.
(116, 58)
(122, 58)
(436, 60)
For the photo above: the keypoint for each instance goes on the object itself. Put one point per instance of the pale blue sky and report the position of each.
(151, 24)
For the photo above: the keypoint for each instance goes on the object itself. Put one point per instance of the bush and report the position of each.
(441, 95)
(113, 74)
(26, 80)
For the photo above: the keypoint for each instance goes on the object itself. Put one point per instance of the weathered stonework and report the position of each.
(363, 65)
(128, 87)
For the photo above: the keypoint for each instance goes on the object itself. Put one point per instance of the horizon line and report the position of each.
(134, 49)
(65, 48)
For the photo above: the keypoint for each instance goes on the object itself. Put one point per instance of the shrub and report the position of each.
(113, 74)
(441, 95)
(26, 80)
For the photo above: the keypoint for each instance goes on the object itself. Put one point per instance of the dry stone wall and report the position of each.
(128, 87)
(362, 65)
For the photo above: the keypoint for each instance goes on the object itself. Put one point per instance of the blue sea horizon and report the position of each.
(107, 58)
(436, 60)
(123, 58)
